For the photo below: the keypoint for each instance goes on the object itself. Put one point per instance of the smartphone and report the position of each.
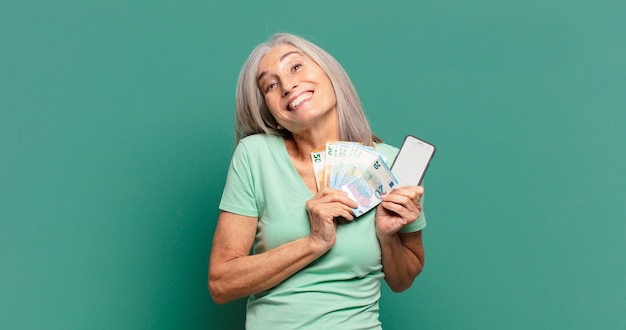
(412, 161)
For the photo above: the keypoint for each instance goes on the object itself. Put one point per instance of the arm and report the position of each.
(403, 259)
(402, 253)
(233, 273)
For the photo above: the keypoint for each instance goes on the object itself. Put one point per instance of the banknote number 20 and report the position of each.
(379, 192)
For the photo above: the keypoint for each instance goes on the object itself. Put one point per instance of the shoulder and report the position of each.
(259, 139)
(259, 142)
(258, 147)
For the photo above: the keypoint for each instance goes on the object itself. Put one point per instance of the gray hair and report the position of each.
(253, 116)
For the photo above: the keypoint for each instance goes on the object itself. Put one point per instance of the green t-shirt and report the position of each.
(341, 289)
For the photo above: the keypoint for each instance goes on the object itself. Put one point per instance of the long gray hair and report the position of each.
(253, 116)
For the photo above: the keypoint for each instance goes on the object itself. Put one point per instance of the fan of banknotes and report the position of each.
(356, 169)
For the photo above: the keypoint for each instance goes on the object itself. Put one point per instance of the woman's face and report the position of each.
(297, 92)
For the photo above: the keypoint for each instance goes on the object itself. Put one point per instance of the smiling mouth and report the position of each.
(293, 105)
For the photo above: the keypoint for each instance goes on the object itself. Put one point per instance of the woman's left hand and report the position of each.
(397, 209)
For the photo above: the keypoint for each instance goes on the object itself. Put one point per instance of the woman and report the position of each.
(313, 264)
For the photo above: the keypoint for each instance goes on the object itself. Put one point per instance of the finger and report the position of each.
(398, 209)
(391, 218)
(331, 196)
(401, 214)
(403, 205)
(339, 196)
(346, 212)
(403, 201)
(340, 210)
(413, 193)
(329, 211)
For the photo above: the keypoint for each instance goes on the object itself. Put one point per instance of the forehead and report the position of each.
(276, 55)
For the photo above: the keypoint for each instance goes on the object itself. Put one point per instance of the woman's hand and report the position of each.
(398, 208)
(327, 205)
(402, 253)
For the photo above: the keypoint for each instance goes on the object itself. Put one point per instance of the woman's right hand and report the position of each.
(327, 205)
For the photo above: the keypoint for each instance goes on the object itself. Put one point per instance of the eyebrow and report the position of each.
(282, 58)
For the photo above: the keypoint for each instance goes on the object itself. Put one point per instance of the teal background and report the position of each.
(116, 130)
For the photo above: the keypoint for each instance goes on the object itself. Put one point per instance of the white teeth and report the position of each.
(299, 99)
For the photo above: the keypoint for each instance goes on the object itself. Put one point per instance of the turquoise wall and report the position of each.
(116, 133)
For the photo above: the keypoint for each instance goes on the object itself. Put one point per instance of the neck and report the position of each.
(313, 136)
(301, 145)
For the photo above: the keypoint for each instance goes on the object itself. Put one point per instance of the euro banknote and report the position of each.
(356, 169)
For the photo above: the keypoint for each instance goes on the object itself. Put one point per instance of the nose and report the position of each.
(288, 86)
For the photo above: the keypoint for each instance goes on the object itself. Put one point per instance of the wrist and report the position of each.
(385, 238)
(319, 246)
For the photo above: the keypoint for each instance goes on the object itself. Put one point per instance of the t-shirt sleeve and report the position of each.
(238, 195)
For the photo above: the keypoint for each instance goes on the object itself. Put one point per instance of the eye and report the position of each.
(296, 67)
(270, 86)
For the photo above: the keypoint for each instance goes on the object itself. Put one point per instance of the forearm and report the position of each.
(234, 273)
(246, 275)
(402, 259)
